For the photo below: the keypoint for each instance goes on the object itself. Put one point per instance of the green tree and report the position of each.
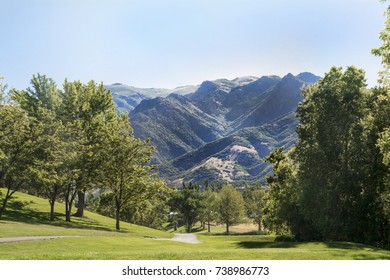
(208, 212)
(15, 149)
(188, 202)
(152, 212)
(254, 204)
(230, 206)
(126, 172)
(383, 51)
(282, 210)
(2, 89)
(374, 169)
(336, 155)
(41, 102)
(86, 110)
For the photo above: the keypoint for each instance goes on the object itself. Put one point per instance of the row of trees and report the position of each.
(60, 144)
(225, 205)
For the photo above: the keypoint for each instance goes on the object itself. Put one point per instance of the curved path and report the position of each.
(29, 238)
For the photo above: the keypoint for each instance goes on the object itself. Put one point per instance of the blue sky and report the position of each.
(151, 43)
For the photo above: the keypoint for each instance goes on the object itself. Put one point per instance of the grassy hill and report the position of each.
(94, 237)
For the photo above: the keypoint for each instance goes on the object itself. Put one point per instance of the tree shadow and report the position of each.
(350, 246)
(19, 211)
(233, 233)
(266, 244)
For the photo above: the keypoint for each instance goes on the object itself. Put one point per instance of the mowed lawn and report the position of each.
(96, 238)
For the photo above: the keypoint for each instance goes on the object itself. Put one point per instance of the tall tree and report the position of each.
(41, 102)
(208, 212)
(86, 109)
(15, 149)
(230, 206)
(282, 210)
(336, 155)
(2, 89)
(126, 171)
(254, 203)
(376, 182)
(383, 51)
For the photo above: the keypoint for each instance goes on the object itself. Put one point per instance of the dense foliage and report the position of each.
(61, 144)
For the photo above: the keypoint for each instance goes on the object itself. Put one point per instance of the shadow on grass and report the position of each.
(232, 233)
(266, 244)
(20, 212)
(350, 246)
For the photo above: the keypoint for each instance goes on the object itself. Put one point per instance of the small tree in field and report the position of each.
(254, 204)
(188, 202)
(230, 206)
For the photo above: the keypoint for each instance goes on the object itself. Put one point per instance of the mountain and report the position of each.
(126, 97)
(177, 124)
(218, 130)
(237, 157)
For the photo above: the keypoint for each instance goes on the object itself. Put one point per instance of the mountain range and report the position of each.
(219, 130)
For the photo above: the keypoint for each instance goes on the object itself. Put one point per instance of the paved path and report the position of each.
(29, 238)
(185, 237)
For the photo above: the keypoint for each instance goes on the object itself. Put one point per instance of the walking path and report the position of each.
(185, 237)
(29, 238)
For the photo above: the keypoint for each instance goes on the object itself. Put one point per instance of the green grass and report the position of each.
(97, 239)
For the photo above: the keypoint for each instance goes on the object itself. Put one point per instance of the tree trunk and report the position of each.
(259, 223)
(6, 198)
(68, 208)
(52, 202)
(3, 207)
(117, 216)
(67, 211)
(189, 227)
(208, 227)
(227, 229)
(81, 204)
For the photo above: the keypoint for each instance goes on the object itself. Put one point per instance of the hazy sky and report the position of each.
(169, 43)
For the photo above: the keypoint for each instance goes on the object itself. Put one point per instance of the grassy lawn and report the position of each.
(97, 239)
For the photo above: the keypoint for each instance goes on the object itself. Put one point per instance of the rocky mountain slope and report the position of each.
(220, 130)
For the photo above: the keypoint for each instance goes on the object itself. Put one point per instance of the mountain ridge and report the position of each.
(235, 115)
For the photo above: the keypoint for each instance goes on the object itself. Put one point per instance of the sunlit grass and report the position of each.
(97, 239)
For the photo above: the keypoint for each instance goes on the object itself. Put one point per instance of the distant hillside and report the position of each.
(237, 157)
(219, 130)
(127, 97)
